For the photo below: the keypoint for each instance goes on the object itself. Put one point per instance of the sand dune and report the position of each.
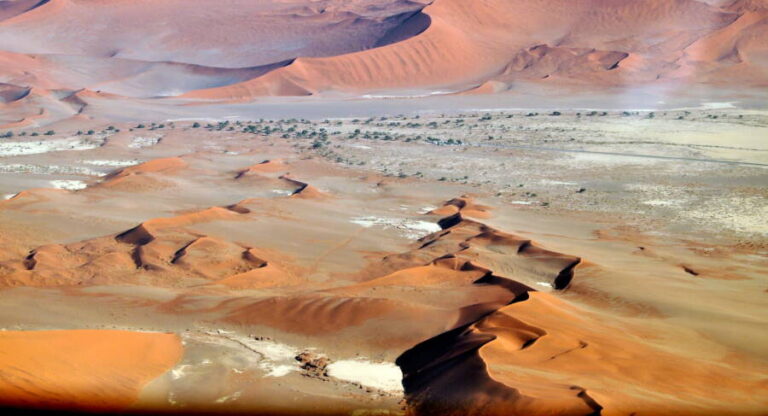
(82, 369)
(160, 249)
(267, 166)
(584, 41)
(387, 48)
(499, 365)
(248, 40)
(148, 175)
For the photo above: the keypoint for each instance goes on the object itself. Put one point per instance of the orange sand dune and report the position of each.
(379, 48)
(541, 355)
(266, 276)
(597, 356)
(317, 314)
(95, 370)
(303, 190)
(147, 175)
(267, 166)
(465, 205)
(272, 28)
(32, 196)
(243, 40)
(467, 45)
(145, 232)
(216, 259)
(160, 249)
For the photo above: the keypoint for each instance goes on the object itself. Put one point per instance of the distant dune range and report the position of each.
(57, 55)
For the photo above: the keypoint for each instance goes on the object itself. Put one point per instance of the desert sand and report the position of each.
(434, 264)
(82, 369)
(389, 207)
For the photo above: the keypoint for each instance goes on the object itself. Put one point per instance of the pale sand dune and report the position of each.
(82, 369)
(249, 51)
(466, 45)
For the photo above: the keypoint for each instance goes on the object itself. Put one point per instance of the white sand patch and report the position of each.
(645, 187)
(46, 146)
(229, 398)
(115, 163)
(661, 203)
(715, 105)
(8, 196)
(202, 120)
(551, 182)
(48, 169)
(280, 370)
(406, 227)
(140, 142)
(426, 94)
(282, 192)
(381, 376)
(521, 202)
(70, 185)
(180, 371)
(610, 159)
(247, 354)
(277, 359)
(742, 214)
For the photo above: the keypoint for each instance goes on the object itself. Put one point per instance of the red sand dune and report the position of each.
(148, 175)
(94, 370)
(466, 45)
(160, 249)
(303, 190)
(267, 166)
(510, 362)
(245, 50)
(465, 205)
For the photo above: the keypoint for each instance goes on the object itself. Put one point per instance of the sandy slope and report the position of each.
(82, 369)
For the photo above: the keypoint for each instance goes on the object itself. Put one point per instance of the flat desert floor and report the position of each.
(485, 262)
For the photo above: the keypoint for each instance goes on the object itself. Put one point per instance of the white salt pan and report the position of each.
(382, 376)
